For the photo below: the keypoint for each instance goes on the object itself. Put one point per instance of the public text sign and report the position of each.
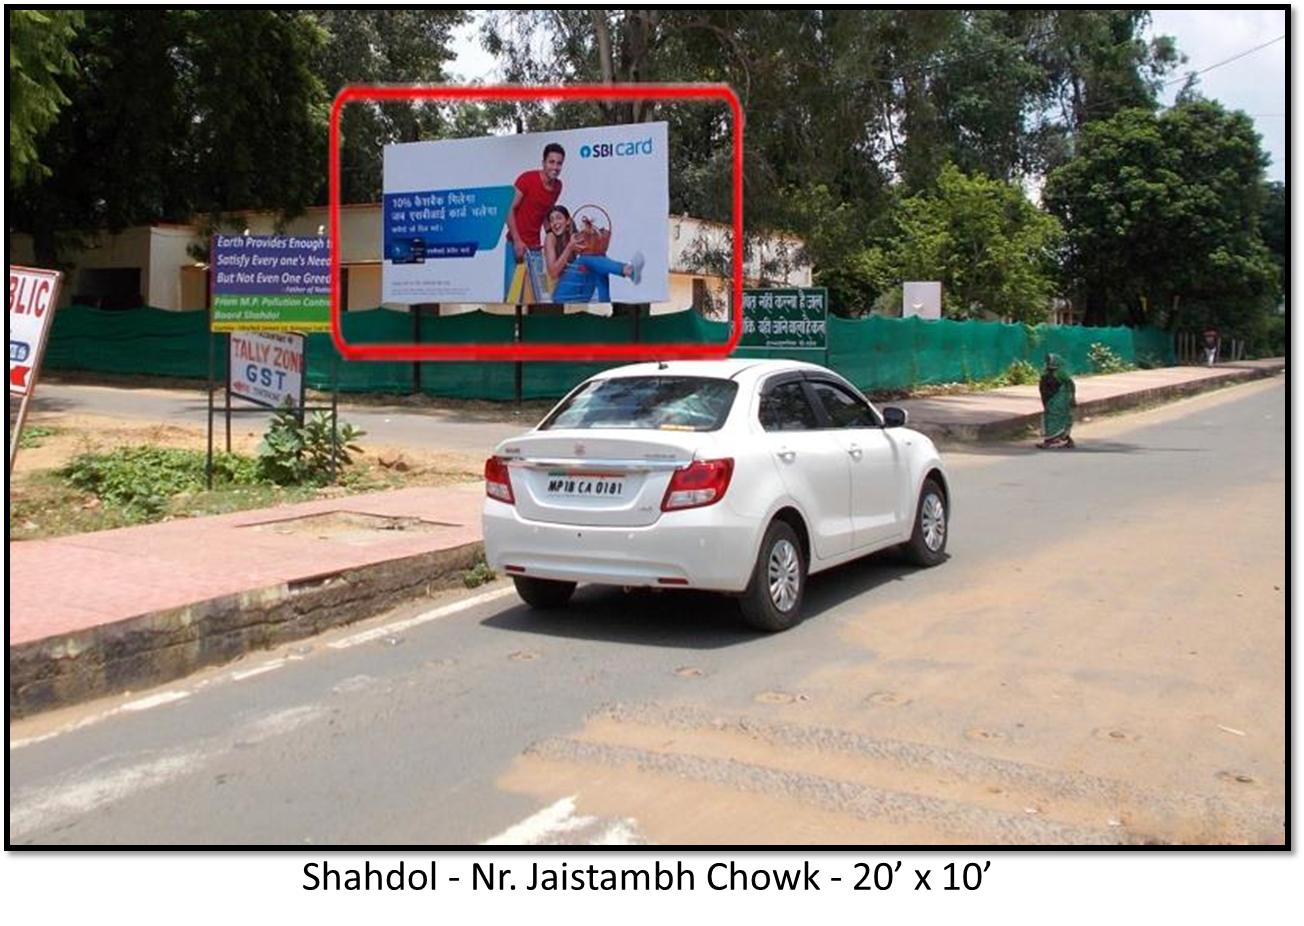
(32, 297)
(271, 283)
(267, 368)
(788, 319)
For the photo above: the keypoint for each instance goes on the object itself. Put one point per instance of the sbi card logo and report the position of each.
(620, 149)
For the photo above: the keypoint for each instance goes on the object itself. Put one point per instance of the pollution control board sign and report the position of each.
(791, 319)
(271, 283)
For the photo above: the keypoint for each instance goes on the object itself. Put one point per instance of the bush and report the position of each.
(299, 453)
(1021, 373)
(143, 480)
(478, 575)
(1104, 360)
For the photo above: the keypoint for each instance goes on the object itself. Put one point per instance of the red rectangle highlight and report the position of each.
(717, 93)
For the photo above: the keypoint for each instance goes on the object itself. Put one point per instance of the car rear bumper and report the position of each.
(697, 547)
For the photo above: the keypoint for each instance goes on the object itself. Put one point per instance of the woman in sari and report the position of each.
(580, 275)
(1058, 397)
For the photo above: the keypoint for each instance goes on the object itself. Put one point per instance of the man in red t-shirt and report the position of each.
(537, 191)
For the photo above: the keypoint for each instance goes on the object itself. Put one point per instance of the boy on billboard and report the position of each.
(536, 192)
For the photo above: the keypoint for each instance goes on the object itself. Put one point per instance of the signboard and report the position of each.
(267, 369)
(791, 319)
(921, 299)
(271, 283)
(447, 206)
(32, 299)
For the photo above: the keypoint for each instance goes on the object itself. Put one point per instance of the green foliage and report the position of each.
(982, 238)
(40, 64)
(299, 452)
(1104, 360)
(379, 46)
(142, 481)
(176, 112)
(479, 574)
(1163, 218)
(1021, 373)
(33, 434)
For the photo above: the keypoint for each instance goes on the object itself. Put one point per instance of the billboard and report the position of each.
(471, 220)
(922, 299)
(271, 283)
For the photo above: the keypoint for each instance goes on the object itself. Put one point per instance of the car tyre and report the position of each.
(773, 599)
(927, 544)
(543, 593)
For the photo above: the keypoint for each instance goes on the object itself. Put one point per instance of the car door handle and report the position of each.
(787, 456)
(855, 451)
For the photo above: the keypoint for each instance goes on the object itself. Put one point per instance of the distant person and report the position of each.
(579, 275)
(1058, 398)
(1211, 346)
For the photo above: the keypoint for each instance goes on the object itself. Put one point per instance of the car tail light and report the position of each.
(701, 483)
(497, 481)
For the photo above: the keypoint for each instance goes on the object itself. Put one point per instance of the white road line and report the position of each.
(378, 633)
(555, 818)
(163, 697)
(81, 792)
(85, 792)
(258, 670)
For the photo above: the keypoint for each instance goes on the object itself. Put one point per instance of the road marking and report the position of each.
(76, 794)
(258, 670)
(173, 695)
(163, 697)
(377, 633)
(558, 820)
(555, 818)
(45, 807)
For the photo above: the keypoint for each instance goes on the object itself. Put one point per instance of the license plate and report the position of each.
(572, 485)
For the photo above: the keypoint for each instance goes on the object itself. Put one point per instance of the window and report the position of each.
(785, 408)
(666, 403)
(844, 409)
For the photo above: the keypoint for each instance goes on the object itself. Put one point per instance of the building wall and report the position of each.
(171, 279)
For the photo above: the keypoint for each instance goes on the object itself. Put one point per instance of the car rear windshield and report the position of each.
(657, 403)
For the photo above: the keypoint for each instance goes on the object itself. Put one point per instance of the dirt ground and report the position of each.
(77, 434)
(40, 504)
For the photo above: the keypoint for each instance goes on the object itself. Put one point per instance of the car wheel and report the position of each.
(773, 598)
(543, 593)
(927, 544)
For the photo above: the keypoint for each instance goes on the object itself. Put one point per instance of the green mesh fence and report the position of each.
(874, 353)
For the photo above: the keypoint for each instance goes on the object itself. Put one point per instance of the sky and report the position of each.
(1255, 83)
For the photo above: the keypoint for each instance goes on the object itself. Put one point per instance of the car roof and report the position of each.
(732, 368)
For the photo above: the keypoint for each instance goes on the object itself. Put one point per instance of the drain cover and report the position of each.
(351, 527)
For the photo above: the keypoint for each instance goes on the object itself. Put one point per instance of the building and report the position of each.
(159, 265)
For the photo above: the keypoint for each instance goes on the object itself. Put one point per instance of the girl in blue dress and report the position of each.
(581, 276)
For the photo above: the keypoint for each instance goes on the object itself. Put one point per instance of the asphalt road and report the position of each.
(1102, 660)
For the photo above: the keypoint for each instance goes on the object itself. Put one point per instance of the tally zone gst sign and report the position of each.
(267, 369)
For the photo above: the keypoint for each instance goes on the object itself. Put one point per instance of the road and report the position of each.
(466, 432)
(1102, 660)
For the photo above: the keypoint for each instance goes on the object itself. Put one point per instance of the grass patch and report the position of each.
(33, 434)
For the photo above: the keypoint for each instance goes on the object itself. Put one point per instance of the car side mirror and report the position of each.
(894, 417)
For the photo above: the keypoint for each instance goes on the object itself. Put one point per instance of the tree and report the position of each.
(39, 65)
(178, 112)
(383, 46)
(989, 246)
(1273, 225)
(1163, 213)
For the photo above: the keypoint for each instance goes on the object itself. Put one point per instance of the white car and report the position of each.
(735, 476)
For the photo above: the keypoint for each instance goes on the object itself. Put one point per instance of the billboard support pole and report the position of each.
(517, 336)
(212, 351)
(18, 430)
(227, 382)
